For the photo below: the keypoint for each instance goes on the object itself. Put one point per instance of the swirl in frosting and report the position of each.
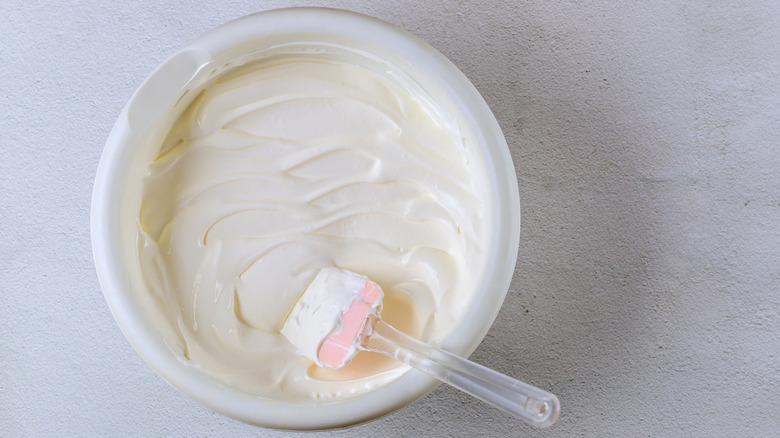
(288, 164)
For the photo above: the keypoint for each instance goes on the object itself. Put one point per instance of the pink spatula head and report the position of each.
(337, 316)
(327, 320)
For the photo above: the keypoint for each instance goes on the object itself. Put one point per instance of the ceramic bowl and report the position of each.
(113, 206)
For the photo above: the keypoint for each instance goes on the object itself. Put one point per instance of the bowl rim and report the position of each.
(129, 314)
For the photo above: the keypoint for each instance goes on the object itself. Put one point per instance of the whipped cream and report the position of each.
(283, 165)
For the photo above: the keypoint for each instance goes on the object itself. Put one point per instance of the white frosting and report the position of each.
(281, 167)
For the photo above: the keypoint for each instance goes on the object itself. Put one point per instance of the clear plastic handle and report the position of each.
(535, 406)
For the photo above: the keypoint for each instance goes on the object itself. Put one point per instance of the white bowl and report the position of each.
(111, 207)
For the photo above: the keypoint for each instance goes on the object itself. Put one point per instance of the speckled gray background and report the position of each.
(645, 137)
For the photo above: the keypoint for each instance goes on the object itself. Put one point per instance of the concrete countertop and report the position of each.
(645, 138)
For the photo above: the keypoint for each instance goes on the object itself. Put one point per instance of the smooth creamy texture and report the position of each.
(281, 167)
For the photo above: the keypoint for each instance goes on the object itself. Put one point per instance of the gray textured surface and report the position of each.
(645, 139)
